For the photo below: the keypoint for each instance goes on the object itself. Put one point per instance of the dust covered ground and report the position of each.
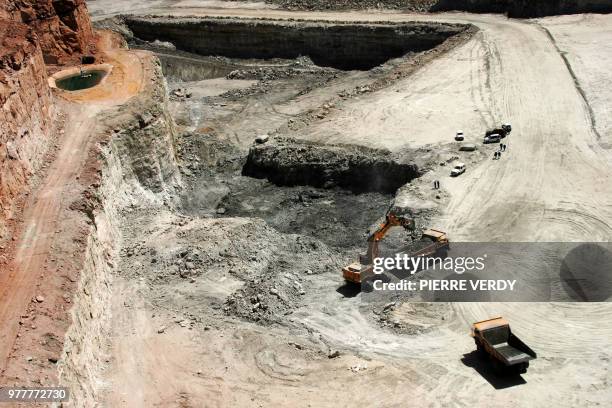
(234, 297)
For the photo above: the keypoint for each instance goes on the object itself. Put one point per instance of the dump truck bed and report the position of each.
(499, 341)
(511, 354)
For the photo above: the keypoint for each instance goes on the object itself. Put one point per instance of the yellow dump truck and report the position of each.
(508, 353)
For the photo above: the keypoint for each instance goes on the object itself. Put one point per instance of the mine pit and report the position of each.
(198, 226)
(345, 46)
(332, 193)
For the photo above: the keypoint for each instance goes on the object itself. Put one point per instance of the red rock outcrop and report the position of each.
(63, 26)
(33, 34)
(25, 112)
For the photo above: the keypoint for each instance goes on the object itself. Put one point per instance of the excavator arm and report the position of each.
(391, 220)
(360, 272)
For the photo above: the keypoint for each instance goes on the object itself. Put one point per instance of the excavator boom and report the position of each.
(359, 272)
(391, 220)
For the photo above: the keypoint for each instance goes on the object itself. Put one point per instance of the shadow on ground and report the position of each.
(484, 367)
(349, 290)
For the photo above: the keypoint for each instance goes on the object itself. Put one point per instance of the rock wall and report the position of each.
(144, 136)
(289, 162)
(63, 26)
(339, 45)
(526, 8)
(33, 33)
(515, 8)
(137, 165)
(541, 8)
(25, 113)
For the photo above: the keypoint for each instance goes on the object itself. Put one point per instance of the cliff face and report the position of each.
(355, 46)
(526, 8)
(541, 8)
(33, 33)
(63, 26)
(25, 112)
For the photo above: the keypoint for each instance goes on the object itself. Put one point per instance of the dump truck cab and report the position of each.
(494, 338)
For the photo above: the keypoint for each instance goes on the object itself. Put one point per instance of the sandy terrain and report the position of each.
(581, 39)
(553, 184)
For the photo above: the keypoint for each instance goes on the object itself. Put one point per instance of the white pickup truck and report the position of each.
(458, 170)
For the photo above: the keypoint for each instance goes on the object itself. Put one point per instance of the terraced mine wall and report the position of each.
(515, 8)
(526, 8)
(135, 160)
(289, 162)
(338, 45)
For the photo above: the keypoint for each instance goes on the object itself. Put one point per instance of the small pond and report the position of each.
(84, 80)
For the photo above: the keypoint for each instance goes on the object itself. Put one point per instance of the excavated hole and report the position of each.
(332, 193)
(318, 201)
(289, 162)
(339, 45)
(333, 214)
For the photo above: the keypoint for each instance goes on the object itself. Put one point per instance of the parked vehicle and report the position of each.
(494, 338)
(468, 147)
(459, 136)
(493, 138)
(458, 170)
(503, 131)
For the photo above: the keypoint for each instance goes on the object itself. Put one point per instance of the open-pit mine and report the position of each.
(201, 203)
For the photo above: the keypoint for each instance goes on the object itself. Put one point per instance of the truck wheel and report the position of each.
(480, 348)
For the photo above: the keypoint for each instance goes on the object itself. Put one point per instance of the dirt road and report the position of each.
(47, 225)
(40, 228)
(553, 184)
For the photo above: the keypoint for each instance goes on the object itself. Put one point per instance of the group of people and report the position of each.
(497, 154)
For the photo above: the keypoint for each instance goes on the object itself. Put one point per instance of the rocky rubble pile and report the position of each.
(273, 271)
(269, 73)
(408, 5)
(411, 318)
(279, 288)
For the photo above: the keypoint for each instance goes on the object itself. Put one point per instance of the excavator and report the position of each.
(363, 271)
